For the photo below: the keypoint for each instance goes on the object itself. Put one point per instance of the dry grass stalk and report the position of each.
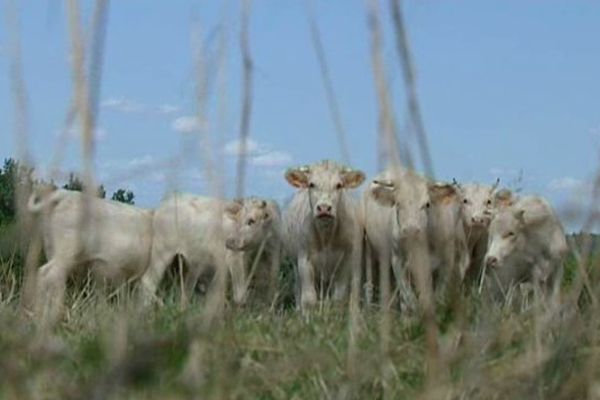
(416, 118)
(247, 94)
(332, 102)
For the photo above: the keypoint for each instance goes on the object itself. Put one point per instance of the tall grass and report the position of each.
(104, 348)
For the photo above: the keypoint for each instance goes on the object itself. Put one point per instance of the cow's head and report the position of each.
(503, 199)
(325, 183)
(478, 202)
(506, 236)
(253, 222)
(408, 194)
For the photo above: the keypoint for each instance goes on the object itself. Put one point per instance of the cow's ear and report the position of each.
(503, 198)
(520, 216)
(233, 208)
(297, 177)
(384, 192)
(352, 178)
(441, 191)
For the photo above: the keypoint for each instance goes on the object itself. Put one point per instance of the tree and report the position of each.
(124, 196)
(12, 175)
(75, 183)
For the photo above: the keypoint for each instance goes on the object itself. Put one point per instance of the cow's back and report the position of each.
(189, 225)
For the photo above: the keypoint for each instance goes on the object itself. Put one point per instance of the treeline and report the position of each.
(13, 174)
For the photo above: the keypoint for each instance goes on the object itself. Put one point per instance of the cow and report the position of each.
(256, 239)
(378, 223)
(211, 235)
(478, 205)
(321, 230)
(79, 231)
(526, 244)
(427, 228)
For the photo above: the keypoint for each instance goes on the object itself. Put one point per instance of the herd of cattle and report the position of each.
(403, 222)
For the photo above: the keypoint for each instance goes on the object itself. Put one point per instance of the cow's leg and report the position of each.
(194, 271)
(385, 283)
(52, 278)
(368, 287)
(308, 293)
(347, 266)
(274, 265)
(150, 280)
(237, 271)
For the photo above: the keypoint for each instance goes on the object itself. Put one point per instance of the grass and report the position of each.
(110, 349)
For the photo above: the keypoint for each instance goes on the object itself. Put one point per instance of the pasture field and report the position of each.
(106, 348)
(218, 99)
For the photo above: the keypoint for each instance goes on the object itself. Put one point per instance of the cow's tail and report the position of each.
(37, 202)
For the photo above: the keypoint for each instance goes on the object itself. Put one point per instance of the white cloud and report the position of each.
(123, 105)
(566, 183)
(260, 155)
(272, 159)
(187, 124)
(129, 106)
(234, 147)
(140, 162)
(167, 109)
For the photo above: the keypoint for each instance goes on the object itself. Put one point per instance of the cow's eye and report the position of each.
(510, 234)
(488, 202)
(465, 201)
(250, 222)
(427, 205)
(266, 215)
(311, 185)
(338, 186)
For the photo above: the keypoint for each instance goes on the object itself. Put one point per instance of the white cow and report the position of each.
(427, 226)
(79, 231)
(478, 205)
(378, 223)
(526, 243)
(211, 235)
(256, 238)
(321, 230)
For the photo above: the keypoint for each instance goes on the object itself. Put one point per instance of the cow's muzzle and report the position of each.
(233, 244)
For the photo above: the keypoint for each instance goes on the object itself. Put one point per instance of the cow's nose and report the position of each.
(230, 244)
(483, 221)
(411, 231)
(491, 261)
(323, 208)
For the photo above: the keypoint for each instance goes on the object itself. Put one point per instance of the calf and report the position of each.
(526, 243)
(78, 231)
(256, 240)
(321, 230)
(210, 234)
(427, 226)
(478, 205)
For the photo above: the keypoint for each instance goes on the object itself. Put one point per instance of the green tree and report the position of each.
(12, 174)
(75, 183)
(124, 196)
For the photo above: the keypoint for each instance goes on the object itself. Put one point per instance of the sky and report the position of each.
(509, 89)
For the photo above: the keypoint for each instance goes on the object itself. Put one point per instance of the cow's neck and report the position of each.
(325, 233)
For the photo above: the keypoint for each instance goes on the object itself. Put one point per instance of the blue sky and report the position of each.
(507, 88)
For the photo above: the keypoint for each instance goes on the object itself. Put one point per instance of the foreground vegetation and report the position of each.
(106, 348)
